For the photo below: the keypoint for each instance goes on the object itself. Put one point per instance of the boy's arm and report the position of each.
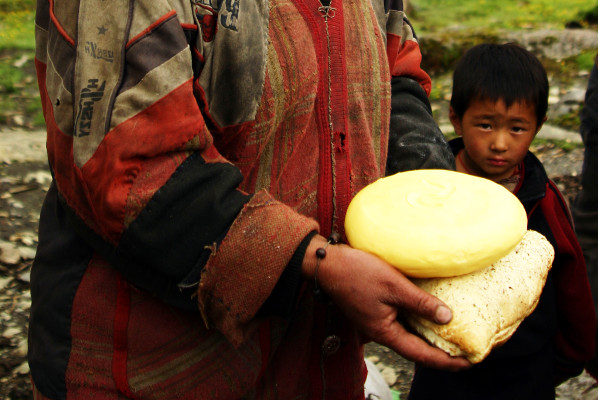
(415, 141)
(575, 342)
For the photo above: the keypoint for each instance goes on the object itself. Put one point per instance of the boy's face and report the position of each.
(496, 138)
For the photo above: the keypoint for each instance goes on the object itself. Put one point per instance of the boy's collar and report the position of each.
(512, 183)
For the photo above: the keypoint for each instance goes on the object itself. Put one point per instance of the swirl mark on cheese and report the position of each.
(431, 194)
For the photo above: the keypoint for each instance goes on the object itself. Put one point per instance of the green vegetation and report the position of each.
(489, 15)
(448, 27)
(16, 5)
(9, 78)
(561, 144)
(585, 61)
(460, 23)
(17, 24)
(17, 30)
(569, 121)
(19, 97)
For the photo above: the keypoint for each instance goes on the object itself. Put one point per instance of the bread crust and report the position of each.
(488, 305)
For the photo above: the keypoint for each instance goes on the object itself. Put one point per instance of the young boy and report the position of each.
(499, 103)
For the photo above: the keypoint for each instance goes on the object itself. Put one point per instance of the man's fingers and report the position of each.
(411, 298)
(443, 314)
(415, 349)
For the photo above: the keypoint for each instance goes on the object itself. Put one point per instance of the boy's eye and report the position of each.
(518, 129)
(484, 126)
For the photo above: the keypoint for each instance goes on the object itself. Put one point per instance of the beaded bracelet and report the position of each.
(334, 238)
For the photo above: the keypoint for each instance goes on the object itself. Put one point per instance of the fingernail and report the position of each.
(443, 315)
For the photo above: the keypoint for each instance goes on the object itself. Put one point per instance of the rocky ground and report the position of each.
(24, 179)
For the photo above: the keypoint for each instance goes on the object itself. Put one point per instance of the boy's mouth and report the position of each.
(497, 162)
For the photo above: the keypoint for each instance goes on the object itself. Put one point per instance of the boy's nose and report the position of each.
(499, 143)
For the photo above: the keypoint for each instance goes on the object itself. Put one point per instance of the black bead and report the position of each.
(321, 253)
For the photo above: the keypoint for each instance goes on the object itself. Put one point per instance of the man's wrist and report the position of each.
(309, 263)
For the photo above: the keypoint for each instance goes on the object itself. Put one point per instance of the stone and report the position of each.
(10, 333)
(22, 369)
(4, 282)
(389, 375)
(9, 253)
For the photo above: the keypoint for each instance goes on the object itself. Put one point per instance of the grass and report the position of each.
(450, 15)
(19, 98)
(17, 30)
(17, 24)
(9, 78)
(562, 144)
(585, 61)
(568, 121)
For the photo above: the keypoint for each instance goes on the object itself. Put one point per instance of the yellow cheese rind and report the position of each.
(435, 223)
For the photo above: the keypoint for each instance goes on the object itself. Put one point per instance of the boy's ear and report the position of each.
(541, 124)
(455, 120)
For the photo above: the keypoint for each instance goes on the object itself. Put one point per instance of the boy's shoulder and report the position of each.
(534, 180)
(534, 168)
(456, 145)
(543, 191)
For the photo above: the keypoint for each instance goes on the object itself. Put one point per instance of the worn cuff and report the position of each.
(243, 271)
(282, 300)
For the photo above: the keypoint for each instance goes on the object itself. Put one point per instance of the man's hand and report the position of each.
(371, 292)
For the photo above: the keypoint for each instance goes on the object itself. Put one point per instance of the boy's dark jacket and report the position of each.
(564, 324)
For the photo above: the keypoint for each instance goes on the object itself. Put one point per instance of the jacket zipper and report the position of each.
(329, 209)
(334, 184)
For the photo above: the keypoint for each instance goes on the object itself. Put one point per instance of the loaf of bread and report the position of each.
(489, 304)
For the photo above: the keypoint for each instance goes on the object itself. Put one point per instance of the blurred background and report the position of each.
(446, 28)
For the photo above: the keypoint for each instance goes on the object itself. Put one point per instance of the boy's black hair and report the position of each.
(500, 71)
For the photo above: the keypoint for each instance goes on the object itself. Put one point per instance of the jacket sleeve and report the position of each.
(134, 161)
(415, 141)
(575, 342)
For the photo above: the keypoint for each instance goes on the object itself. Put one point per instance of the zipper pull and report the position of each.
(327, 11)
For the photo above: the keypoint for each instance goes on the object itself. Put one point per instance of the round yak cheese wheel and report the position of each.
(435, 223)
